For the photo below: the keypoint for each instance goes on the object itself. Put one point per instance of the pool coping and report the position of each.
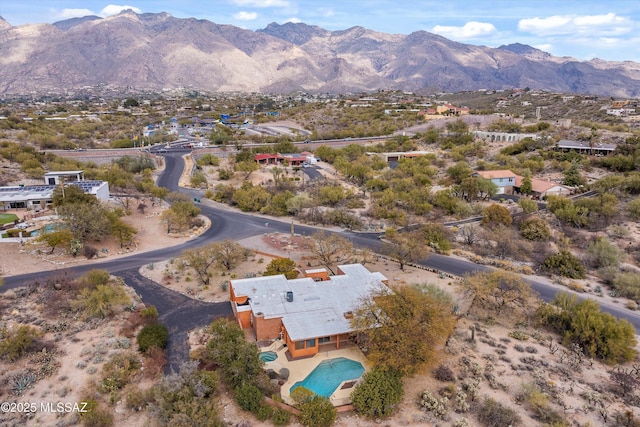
(299, 369)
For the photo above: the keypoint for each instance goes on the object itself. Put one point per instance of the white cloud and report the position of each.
(114, 9)
(245, 16)
(74, 13)
(470, 30)
(592, 25)
(262, 3)
(326, 12)
(293, 20)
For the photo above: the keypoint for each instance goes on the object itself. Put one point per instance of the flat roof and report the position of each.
(317, 308)
(567, 143)
(43, 192)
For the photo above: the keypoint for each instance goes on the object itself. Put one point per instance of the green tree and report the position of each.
(526, 187)
(572, 176)
(250, 198)
(86, 220)
(437, 237)
(284, 266)
(237, 358)
(246, 167)
(379, 393)
(495, 215)
(403, 328)
(57, 238)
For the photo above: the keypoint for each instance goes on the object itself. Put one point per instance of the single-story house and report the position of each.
(541, 188)
(394, 156)
(294, 159)
(39, 197)
(309, 313)
(505, 180)
(583, 147)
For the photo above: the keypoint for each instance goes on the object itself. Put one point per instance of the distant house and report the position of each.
(310, 314)
(582, 147)
(293, 159)
(541, 188)
(39, 197)
(505, 180)
(394, 156)
(508, 183)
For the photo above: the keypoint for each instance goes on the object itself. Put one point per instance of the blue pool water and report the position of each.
(329, 374)
(46, 228)
(268, 356)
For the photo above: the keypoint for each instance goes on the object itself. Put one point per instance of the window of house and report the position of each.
(323, 340)
(299, 345)
(311, 343)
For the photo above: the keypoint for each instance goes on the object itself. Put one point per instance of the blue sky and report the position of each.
(583, 29)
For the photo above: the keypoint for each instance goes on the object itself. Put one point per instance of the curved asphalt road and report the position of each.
(182, 314)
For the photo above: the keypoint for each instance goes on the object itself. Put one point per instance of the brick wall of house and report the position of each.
(266, 329)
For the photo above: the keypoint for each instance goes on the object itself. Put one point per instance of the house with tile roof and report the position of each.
(504, 179)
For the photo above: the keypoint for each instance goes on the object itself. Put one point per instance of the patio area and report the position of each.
(299, 369)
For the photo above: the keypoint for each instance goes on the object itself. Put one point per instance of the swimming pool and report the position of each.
(268, 356)
(329, 374)
(48, 228)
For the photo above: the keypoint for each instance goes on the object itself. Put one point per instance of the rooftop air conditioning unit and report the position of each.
(290, 296)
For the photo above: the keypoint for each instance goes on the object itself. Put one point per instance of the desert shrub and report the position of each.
(149, 314)
(154, 335)
(198, 179)
(379, 393)
(249, 397)
(634, 209)
(565, 264)
(264, 412)
(184, 398)
(137, 399)
(444, 373)
(155, 360)
(583, 323)
(102, 301)
(493, 414)
(281, 417)
(118, 372)
(284, 266)
(93, 278)
(17, 341)
(316, 411)
(602, 254)
(90, 252)
(535, 229)
(95, 416)
(627, 285)
(495, 215)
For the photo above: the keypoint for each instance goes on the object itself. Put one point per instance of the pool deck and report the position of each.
(299, 369)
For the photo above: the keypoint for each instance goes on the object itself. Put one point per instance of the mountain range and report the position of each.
(158, 51)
